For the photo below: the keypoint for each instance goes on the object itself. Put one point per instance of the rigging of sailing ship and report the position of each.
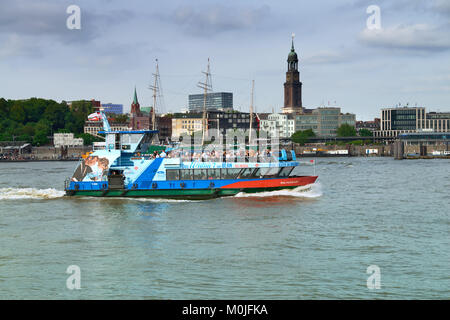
(251, 115)
(206, 86)
(156, 89)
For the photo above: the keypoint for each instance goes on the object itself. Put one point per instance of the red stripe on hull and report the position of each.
(272, 183)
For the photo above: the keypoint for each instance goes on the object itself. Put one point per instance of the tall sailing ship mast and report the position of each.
(156, 88)
(251, 115)
(206, 86)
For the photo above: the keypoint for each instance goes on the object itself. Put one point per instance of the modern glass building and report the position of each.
(398, 120)
(112, 108)
(215, 101)
(324, 121)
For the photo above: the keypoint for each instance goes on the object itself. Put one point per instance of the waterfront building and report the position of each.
(368, 125)
(138, 121)
(112, 108)
(96, 104)
(292, 86)
(324, 121)
(224, 121)
(398, 120)
(281, 125)
(185, 123)
(215, 101)
(93, 127)
(426, 138)
(164, 125)
(217, 120)
(66, 139)
(308, 120)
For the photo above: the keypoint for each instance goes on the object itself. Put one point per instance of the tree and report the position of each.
(55, 113)
(4, 109)
(40, 138)
(302, 136)
(17, 113)
(24, 137)
(365, 133)
(346, 130)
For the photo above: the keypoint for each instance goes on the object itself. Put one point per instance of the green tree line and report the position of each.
(34, 120)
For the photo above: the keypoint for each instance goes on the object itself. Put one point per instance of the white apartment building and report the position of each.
(279, 124)
(93, 127)
(66, 139)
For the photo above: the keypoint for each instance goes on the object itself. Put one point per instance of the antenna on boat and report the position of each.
(251, 114)
(207, 85)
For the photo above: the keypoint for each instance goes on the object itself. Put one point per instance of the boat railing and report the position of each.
(67, 183)
(215, 157)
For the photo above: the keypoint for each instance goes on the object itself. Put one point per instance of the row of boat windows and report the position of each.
(227, 173)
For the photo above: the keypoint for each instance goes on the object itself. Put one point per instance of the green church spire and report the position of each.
(135, 99)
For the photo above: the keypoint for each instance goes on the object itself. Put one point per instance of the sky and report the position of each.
(341, 61)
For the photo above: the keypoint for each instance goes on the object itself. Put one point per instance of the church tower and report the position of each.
(135, 107)
(138, 121)
(292, 86)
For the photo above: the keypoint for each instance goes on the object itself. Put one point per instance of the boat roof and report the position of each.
(131, 131)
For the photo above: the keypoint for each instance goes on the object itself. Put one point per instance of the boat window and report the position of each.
(267, 172)
(213, 173)
(285, 172)
(186, 174)
(296, 172)
(230, 173)
(200, 174)
(126, 138)
(110, 140)
(145, 142)
(246, 173)
(172, 174)
(289, 156)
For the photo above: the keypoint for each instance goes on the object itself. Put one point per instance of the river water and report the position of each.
(284, 245)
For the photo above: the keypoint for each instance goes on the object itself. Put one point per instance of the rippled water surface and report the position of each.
(283, 245)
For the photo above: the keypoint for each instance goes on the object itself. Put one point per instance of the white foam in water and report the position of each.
(310, 191)
(29, 193)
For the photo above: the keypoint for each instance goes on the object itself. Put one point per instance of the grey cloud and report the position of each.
(48, 19)
(216, 19)
(14, 45)
(441, 6)
(417, 37)
(325, 57)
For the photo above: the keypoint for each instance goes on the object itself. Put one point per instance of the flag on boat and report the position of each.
(95, 116)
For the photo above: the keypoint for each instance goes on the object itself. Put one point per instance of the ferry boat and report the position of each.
(134, 164)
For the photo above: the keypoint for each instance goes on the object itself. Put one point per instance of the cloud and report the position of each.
(441, 6)
(211, 20)
(13, 45)
(324, 57)
(417, 37)
(47, 19)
